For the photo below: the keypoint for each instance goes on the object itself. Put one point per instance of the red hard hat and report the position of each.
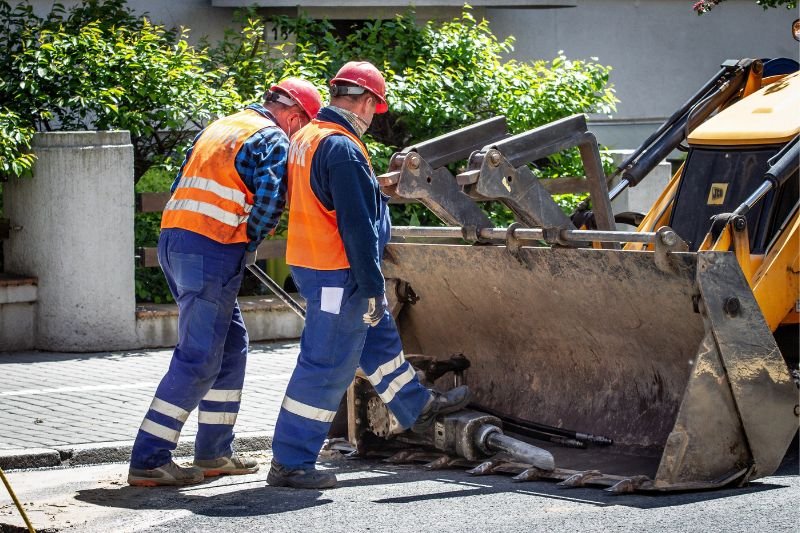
(301, 91)
(364, 74)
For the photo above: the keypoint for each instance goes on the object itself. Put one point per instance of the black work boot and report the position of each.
(441, 404)
(280, 476)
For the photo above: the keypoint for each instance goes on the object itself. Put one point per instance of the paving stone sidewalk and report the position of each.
(61, 401)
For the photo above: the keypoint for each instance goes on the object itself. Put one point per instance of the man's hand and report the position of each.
(250, 258)
(375, 311)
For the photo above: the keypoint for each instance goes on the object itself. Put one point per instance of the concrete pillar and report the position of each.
(17, 313)
(75, 220)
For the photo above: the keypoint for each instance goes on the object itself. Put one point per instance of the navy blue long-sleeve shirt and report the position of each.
(261, 163)
(342, 180)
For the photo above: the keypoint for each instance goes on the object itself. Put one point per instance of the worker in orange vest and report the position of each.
(228, 195)
(338, 227)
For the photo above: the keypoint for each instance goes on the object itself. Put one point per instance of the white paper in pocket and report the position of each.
(332, 299)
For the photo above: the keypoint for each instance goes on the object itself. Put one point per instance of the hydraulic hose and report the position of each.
(676, 116)
(715, 93)
(782, 166)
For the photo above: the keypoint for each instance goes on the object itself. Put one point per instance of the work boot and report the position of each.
(280, 476)
(169, 474)
(441, 404)
(233, 466)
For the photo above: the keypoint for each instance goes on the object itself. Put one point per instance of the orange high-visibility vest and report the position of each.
(314, 240)
(211, 199)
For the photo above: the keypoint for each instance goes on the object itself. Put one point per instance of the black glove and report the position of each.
(375, 310)
(250, 258)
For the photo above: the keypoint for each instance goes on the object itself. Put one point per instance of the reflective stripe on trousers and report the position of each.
(335, 341)
(208, 364)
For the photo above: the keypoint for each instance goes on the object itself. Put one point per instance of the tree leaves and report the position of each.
(97, 66)
(704, 6)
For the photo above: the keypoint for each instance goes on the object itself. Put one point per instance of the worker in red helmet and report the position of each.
(338, 227)
(228, 195)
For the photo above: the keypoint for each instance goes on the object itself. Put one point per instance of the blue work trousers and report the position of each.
(208, 364)
(334, 343)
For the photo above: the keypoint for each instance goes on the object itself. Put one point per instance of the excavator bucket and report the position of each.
(677, 367)
(635, 370)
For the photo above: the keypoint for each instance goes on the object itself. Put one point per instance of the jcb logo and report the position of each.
(297, 153)
(716, 196)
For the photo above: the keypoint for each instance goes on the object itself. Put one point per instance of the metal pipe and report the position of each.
(727, 86)
(618, 188)
(444, 232)
(696, 97)
(648, 161)
(573, 235)
(277, 290)
(785, 163)
(491, 439)
(524, 234)
(751, 200)
(781, 166)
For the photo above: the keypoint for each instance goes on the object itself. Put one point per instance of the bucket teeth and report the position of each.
(529, 474)
(627, 485)
(484, 468)
(440, 463)
(400, 457)
(580, 479)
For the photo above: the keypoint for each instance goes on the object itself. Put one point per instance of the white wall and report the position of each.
(660, 50)
(198, 15)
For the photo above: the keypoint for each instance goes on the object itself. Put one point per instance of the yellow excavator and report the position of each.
(651, 360)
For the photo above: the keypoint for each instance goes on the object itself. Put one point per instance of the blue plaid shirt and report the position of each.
(261, 163)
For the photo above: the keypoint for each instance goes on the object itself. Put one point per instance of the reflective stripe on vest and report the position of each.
(211, 199)
(314, 240)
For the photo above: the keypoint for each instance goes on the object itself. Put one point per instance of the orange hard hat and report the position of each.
(302, 92)
(364, 74)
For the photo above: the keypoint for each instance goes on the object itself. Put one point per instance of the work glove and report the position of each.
(250, 258)
(375, 311)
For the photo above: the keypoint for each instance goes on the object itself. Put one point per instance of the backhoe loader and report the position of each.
(644, 360)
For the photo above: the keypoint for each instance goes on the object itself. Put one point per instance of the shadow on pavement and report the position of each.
(250, 496)
(494, 484)
(790, 466)
(252, 499)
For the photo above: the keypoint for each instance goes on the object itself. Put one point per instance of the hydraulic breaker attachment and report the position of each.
(474, 435)
(419, 173)
(499, 171)
(471, 435)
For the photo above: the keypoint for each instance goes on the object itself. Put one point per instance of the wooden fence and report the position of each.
(154, 202)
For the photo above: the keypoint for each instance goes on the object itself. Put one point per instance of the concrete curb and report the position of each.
(110, 452)
(29, 458)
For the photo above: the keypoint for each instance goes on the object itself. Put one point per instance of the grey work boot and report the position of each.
(221, 466)
(169, 474)
(280, 476)
(441, 404)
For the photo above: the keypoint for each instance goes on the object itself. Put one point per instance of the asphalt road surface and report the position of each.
(378, 497)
